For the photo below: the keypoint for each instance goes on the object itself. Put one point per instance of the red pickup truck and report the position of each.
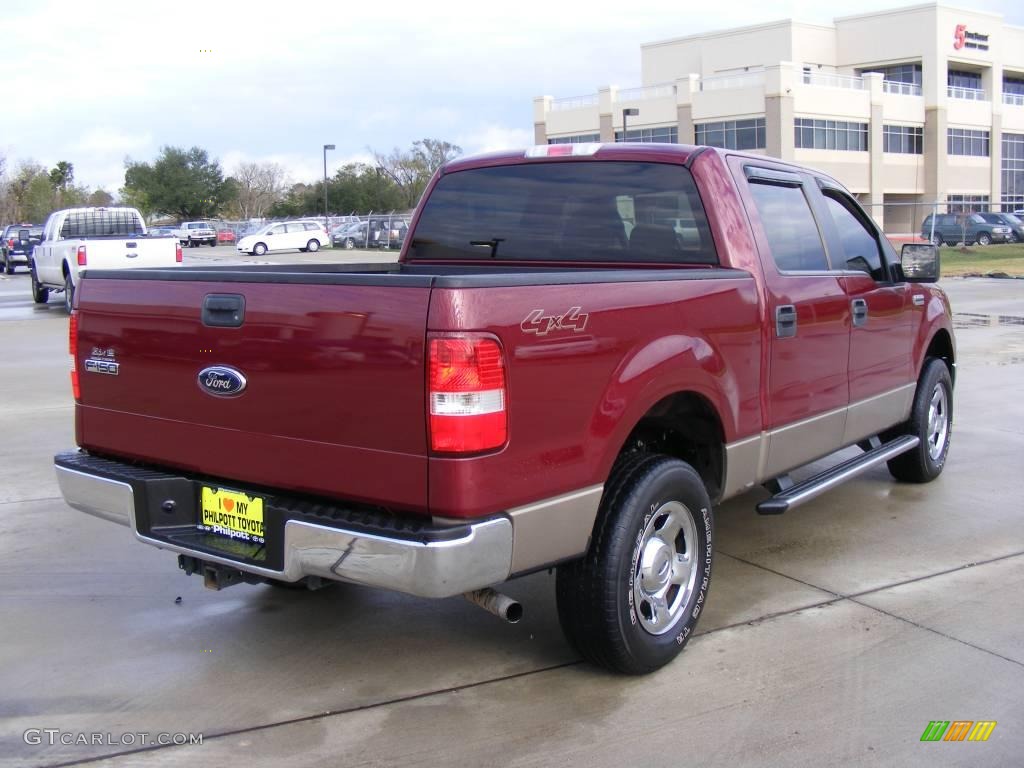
(581, 350)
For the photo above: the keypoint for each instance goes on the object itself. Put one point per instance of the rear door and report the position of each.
(333, 402)
(809, 318)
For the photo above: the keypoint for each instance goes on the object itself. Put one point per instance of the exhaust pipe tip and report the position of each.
(502, 606)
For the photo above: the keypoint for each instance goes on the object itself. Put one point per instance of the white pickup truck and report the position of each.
(196, 233)
(95, 238)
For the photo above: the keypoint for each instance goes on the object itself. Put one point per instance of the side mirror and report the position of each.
(920, 262)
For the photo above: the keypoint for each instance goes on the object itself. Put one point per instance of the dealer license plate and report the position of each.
(232, 514)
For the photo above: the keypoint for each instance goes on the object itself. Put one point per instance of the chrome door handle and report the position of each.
(785, 321)
(859, 307)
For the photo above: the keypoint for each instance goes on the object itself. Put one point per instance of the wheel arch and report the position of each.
(686, 425)
(941, 346)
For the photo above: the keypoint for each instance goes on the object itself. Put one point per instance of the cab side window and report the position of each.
(792, 233)
(860, 244)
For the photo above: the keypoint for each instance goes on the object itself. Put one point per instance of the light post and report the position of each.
(628, 112)
(326, 147)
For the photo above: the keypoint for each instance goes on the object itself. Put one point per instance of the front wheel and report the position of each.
(937, 240)
(69, 293)
(984, 239)
(633, 601)
(212, 243)
(40, 293)
(931, 420)
(313, 246)
(349, 243)
(259, 249)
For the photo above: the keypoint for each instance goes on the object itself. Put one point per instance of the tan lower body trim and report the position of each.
(554, 529)
(761, 457)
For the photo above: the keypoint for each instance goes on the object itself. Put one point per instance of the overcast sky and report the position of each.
(93, 82)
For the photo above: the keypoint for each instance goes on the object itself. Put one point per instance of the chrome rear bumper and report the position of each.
(480, 558)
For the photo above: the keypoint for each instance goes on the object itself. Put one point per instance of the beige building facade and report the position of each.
(908, 106)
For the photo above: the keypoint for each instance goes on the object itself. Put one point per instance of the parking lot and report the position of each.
(833, 634)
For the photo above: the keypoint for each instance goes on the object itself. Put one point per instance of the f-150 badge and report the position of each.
(539, 323)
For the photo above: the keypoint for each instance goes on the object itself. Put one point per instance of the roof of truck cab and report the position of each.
(651, 152)
(635, 152)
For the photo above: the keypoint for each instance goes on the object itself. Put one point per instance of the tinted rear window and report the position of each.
(99, 223)
(568, 211)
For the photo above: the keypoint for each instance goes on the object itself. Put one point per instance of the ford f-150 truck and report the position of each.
(582, 349)
(104, 238)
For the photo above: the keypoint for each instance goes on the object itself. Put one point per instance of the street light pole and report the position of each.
(326, 147)
(628, 112)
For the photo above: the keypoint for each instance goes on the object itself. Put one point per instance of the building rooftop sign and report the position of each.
(962, 38)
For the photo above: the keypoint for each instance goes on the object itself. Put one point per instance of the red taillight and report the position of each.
(10, 243)
(81, 255)
(177, 252)
(467, 394)
(73, 351)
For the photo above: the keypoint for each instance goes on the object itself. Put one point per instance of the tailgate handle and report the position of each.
(223, 310)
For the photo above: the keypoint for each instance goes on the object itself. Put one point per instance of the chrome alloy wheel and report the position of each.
(938, 422)
(666, 568)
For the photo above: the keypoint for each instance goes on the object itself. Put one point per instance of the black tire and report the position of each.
(313, 246)
(349, 243)
(40, 294)
(212, 243)
(598, 605)
(69, 293)
(8, 267)
(925, 462)
(937, 240)
(259, 249)
(984, 239)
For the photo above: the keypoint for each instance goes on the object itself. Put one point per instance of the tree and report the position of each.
(183, 183)
(259, 185)
(100, 199)
(411, 169)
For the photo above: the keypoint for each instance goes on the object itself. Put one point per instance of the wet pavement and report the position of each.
(833, 634)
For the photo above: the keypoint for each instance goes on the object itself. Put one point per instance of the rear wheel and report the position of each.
(69, 293)
(212, 243)
(984, 239)
(313, 246)
(259, 249)
(40, 294)
(931, 420)
(8, 267)
(633, 601)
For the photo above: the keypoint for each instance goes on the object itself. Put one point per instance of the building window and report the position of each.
(958, 79)
(830, 134)
(963, 141)
(903, 139)
(665, 135)
(583, 138)
(966, 203)
(733, 134)
(898, 73)
(1013, 172)
(1014, 85)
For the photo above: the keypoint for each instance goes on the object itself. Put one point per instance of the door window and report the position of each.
(860, 245)
(793, 236)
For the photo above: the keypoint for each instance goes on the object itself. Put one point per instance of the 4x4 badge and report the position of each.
(539, 323)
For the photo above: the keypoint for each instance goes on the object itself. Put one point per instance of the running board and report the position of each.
(815, 486)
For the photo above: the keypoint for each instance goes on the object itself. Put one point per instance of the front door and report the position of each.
(881, 333)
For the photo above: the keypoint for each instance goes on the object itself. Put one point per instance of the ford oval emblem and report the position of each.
(221, 381)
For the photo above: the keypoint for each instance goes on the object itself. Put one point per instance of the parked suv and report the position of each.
(1007, 220)
(18, 242)
(966, 228)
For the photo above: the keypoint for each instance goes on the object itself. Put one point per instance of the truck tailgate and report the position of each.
(334, 397)
(130, 252)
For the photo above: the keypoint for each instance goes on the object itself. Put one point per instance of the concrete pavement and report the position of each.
(833, 634)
